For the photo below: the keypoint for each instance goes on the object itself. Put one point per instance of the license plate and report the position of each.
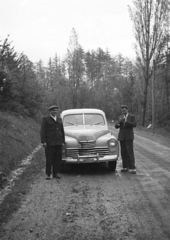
(88, 160)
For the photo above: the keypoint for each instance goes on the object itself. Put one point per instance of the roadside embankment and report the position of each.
(18, 137)
(21, 160)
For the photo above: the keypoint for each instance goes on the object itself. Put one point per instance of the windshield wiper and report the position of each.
(97, 123)
(71, 123)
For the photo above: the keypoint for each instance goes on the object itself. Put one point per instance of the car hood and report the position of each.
(85, 133)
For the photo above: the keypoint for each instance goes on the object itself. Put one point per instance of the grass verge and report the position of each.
(18, 137)
(12, 201)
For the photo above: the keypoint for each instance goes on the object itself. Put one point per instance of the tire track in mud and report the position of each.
(150, 208)
(153, 179)
(157, 156)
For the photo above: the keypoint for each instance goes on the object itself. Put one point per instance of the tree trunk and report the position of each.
(145, 100)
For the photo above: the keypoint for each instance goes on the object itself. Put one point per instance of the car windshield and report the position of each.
(73, 119)
(93, 119)
(89, 119)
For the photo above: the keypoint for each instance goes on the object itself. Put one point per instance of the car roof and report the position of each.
(82, 110)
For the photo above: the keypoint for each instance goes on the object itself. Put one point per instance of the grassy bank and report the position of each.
(12, 201)
(18, 137)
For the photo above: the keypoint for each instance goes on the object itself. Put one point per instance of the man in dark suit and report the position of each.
(126, 123)
(52, 139)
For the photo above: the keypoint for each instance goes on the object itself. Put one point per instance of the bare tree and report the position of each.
(150, 20)
(75, 62)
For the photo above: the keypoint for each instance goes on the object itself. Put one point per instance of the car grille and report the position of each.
(73, 152)
(87, 144)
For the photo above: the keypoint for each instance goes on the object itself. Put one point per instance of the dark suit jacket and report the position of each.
(126, 128)
(52, 132)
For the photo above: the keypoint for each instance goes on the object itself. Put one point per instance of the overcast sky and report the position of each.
(42, 28)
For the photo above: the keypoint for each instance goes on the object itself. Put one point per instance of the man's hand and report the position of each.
(121, 119)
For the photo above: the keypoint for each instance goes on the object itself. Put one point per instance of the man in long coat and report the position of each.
(126, 124)
(52, 139)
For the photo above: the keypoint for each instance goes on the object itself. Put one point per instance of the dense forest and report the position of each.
(95, 78)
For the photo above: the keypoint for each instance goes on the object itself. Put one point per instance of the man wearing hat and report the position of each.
(126, 123)
(52, 139)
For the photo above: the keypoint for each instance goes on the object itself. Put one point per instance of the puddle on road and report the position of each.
(16, 173)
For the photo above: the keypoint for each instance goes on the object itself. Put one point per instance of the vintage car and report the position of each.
(88, 139)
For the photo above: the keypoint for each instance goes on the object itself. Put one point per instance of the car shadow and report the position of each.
(87, 169)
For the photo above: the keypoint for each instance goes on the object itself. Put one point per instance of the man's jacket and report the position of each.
(126, 128)
(52, 132)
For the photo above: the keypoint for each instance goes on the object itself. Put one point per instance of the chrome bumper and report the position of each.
(90, 159)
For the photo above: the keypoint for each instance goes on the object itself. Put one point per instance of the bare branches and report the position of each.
(151, 21)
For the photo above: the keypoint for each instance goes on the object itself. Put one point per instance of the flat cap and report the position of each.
(53, 107)
(124, 106)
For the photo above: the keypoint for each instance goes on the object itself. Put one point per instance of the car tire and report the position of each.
(112, 165)
(63, 168)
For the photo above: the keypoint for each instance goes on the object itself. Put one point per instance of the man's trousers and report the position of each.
(53, 159)
(127, 154)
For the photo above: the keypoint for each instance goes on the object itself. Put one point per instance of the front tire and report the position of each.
(63, 168)
(112, 166)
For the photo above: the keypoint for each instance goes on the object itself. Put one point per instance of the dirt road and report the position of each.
(91, 203)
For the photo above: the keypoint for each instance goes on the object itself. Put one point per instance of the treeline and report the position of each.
(83, 79)
(20, 91)
(94, 78)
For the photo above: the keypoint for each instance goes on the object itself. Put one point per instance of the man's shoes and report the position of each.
(48, 178)
(56, 176)
(124, 169)
(133, 171)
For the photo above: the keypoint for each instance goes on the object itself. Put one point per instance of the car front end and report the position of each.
(88, 139)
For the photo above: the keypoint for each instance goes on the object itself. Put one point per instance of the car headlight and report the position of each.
(112, 143)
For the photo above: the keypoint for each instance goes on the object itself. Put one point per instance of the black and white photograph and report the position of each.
(85, 120)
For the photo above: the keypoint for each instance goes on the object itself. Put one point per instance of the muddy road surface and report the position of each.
(91, 203)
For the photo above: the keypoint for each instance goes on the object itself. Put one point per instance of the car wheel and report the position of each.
(63, 168)
(112, 165)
